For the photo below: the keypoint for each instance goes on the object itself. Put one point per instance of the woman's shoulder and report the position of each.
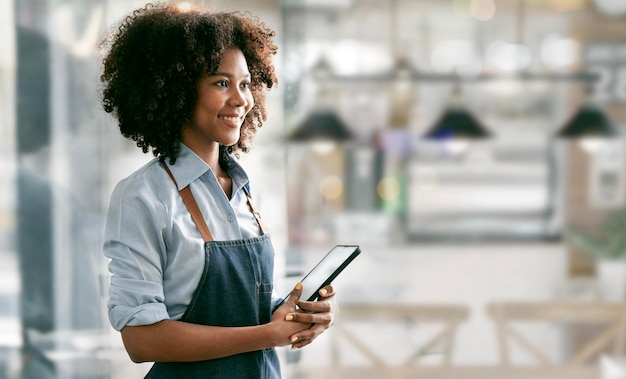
(146, 181)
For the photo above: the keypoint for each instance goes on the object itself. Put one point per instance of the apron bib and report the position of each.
(235, 289)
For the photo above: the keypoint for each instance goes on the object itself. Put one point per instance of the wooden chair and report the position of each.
(613, 315)
(450, 316)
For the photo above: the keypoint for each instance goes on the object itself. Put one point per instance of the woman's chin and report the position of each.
(229, 141)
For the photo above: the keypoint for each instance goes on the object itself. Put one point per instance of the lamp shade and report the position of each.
(589, 121)
(321, 124)
(457, 123)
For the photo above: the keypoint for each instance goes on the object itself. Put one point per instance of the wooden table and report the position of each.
(611, 315)
(478, 372)
(448, 315)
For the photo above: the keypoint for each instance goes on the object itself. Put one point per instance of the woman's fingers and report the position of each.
(307, 336)
(327, 291)
(315, 312)
(295, 294)
(310, 318)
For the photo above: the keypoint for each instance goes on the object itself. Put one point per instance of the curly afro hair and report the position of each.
(155, 57)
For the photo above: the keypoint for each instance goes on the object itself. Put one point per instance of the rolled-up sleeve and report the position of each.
(135, 245)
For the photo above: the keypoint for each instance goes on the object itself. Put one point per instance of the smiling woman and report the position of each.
(167, 60)
(189, 84)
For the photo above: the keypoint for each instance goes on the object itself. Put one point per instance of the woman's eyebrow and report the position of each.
(227, 74)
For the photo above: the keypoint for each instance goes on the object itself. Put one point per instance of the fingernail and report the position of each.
(294, 339)
(298, 286)
(323, 292)
(289, 317)
(293, 347)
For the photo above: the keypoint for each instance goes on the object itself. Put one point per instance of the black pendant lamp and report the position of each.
(321, 125)
(589, 122)
(457, 122)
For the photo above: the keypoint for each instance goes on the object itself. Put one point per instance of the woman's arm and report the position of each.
(177, 341)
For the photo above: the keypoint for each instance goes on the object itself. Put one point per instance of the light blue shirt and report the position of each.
(156, 251)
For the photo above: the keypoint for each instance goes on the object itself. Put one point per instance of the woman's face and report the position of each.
(224, 99)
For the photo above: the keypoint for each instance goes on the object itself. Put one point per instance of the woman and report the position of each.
(191, 261)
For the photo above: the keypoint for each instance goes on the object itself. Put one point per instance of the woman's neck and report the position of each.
(209, 153)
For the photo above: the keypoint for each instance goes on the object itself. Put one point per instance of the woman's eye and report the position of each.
(222, 83)
(245, 85)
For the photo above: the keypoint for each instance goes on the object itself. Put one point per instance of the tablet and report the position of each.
(327, 270)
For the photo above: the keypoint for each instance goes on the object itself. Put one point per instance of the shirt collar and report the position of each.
(236, 172)
(189, 167)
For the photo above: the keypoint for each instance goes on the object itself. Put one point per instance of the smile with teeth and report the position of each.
(231, 118)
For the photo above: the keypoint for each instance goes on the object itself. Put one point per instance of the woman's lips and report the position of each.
(233, 120)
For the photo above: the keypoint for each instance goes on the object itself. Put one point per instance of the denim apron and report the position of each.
(235, 289)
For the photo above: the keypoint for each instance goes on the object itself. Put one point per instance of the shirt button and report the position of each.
(230, 218)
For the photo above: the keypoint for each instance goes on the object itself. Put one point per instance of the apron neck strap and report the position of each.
(255, 211)
(192, 206)
(196, 214)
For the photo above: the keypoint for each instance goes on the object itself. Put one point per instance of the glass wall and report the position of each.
(61, 155)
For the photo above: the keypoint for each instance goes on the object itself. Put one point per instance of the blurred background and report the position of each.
(472, 148)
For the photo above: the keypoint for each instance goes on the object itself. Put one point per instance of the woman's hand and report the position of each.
(287, 331)
(320, 315)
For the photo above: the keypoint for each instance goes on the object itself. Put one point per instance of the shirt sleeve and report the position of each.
(135, 245)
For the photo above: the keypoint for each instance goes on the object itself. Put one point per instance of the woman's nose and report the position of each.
(238, 98)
